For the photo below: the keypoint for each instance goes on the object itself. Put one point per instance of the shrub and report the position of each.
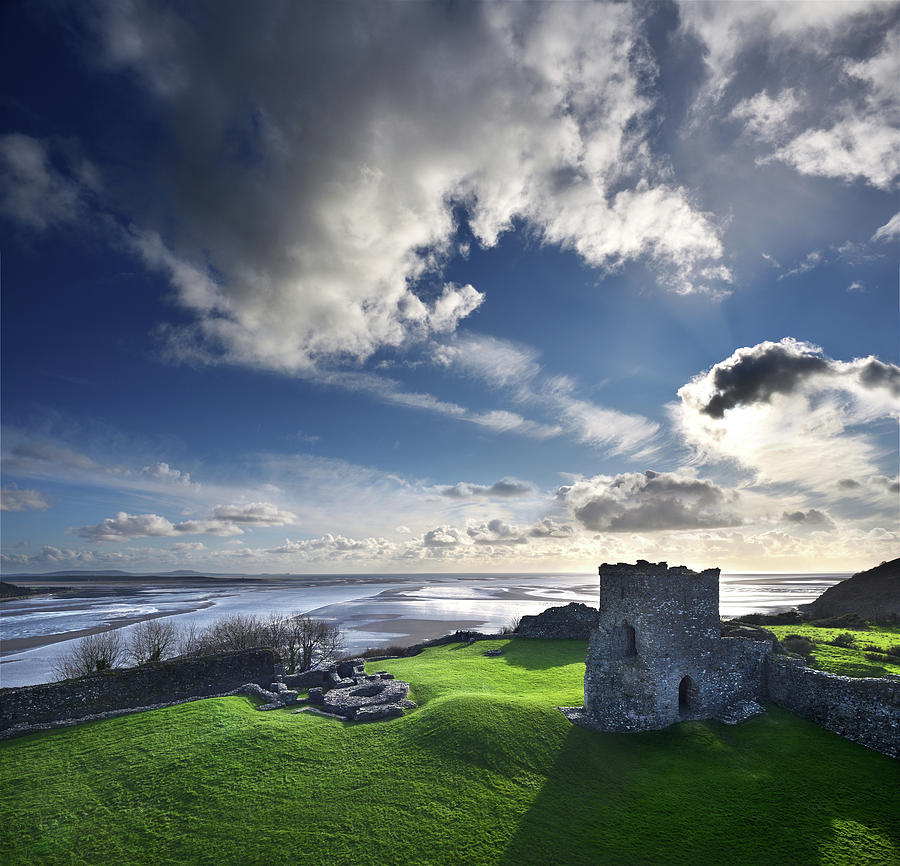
(893, 650)
(877, 657)
(796, 643)
(844, 639)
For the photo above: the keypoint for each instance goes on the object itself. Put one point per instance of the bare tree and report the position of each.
(273, 628)
(151, 641)
(96, 652)
(236, 632)
(189, 640)
(310, 641)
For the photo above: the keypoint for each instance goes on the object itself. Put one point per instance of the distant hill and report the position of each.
(872, 594)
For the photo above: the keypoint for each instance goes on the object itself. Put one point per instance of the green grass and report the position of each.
(852, 661)
(485, 771)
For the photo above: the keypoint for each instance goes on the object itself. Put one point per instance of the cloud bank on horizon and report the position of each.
(498, 286)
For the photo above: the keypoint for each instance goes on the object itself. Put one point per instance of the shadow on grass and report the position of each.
(534, 654)
(776, 789)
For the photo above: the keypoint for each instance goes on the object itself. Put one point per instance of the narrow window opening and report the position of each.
(628, 642)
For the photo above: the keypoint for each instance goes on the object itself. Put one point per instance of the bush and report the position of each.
(796, 643)
(877, 657)
(844, 639)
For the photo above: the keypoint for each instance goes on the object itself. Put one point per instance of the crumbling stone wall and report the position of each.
(866, 711)
(572, 621)
(111, 691)
(658, 657)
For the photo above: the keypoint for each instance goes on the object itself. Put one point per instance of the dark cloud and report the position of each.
(767, 369)
(875, 374)
(549, 528)
(755, 374)
(848, 484)
(505, 488)
(649, 501)
(813, 517)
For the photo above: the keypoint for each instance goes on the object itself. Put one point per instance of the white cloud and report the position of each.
(125, 525)
(617, 432)
(854, 148)
(500, 363)
(727, 30)
(13, 499)
(225, 520)
(161, 471)
(789, 414)
(889, 231)
(767, 117)
(856, 286)
(851, 132)
(325, 242)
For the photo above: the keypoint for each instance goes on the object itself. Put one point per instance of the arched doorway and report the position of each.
(687, 697)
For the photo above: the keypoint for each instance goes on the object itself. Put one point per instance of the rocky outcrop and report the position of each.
(872, 594)
(573, 621)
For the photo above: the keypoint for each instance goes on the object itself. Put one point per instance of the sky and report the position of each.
(446, 287)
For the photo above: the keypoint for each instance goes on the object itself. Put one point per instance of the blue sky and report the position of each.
(449, 287)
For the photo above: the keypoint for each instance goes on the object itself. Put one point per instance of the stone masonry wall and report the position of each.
(112, 691)
(866, 711)
(572, 621)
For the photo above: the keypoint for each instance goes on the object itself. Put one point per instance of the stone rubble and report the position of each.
(353, 694)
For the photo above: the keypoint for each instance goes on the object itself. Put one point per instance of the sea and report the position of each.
(372, 610)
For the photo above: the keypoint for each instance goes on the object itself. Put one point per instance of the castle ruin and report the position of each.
(660, 655)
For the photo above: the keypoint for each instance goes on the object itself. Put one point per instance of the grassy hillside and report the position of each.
(865, 658)
(485, 771)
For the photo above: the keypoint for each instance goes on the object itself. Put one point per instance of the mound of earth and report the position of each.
(872, 594)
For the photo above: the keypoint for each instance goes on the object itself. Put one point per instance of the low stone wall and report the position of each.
(866, 711)
(32, 707)
(306, 680)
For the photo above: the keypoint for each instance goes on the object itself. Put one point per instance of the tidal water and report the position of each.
(372, 610)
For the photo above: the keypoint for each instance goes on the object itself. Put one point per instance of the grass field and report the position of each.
(485, 771)
(850, 661)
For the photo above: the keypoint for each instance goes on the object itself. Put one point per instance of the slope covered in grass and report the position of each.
(865, 658)
(485, 771)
